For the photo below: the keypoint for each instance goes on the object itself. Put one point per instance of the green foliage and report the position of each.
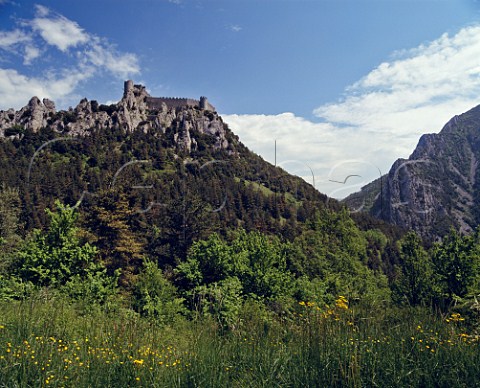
(220, 300)
(313, 290)
(219, 276)
(456, 264)
(334, 251)
(12, 288)
(56, 256)
(414, 284)
(10, 226)
(262, 264)
(111, 225)
(14, 130)
(155, 297)
(258, 261)
(377, 242)
(94, 287)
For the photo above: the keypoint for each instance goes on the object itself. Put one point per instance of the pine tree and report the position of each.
(110, 220)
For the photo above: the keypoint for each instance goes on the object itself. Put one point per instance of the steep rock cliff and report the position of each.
(437, 187)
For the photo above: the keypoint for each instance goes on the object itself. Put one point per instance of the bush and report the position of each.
(155, 297)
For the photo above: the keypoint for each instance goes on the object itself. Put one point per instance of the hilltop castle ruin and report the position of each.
(155, 103)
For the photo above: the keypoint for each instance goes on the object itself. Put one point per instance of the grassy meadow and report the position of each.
(48, 341)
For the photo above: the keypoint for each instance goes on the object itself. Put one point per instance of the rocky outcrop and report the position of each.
(436, 188)
(132, 108)
(34, 116)
(185, 124)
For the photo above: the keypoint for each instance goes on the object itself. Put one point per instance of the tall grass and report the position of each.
(45, 341)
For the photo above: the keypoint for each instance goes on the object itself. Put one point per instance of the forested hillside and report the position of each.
(176, 224)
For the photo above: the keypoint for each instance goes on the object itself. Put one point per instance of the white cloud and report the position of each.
(31, 53)
(81, 56)
(417, 90)
(57, 30)
(12, 38)
(235, 28)
(16, 89)
(11, 41)
(380, 118)
(105, 56)
(304, 147)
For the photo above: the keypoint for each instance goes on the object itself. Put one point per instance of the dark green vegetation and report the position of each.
(121, 254)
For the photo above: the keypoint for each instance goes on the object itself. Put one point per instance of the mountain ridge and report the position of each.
(136, 110)
(436, 188)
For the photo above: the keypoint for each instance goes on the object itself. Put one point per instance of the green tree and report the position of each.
(258, 262)
(263, 261)
(55, 256)
(414, 284)
(221, 300)
(10, 227)
(110, 221)
(456, 263)
(334, 250)
(155, 297)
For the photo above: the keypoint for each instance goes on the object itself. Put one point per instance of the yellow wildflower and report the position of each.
(341, 302)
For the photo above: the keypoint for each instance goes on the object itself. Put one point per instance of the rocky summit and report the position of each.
(137, 110)
(437, 187)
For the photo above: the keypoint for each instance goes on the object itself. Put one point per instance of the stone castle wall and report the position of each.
(156, 102)
(171, 102)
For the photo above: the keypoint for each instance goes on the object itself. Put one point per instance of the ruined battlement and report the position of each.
(155, 103)
(171, 102)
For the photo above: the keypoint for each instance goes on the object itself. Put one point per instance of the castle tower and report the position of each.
(204, 103)
(128, 87)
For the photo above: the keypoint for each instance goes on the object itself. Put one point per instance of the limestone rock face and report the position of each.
(191, 123)
(187, 123)
(50, 105)
(132, 108)
(85, 118)
(164, 117)
(437, 187)
(7, 120)
(33, 116)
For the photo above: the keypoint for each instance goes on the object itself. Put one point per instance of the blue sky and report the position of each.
(345, 87)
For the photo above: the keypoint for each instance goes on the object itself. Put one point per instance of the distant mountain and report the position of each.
(437, 187)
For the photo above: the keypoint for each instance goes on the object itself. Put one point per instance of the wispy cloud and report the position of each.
(57, 30)
(380, 118)
(235, 28)
(104, 55)
(9, 39)
(404, 94)
(31, 53)
(18, 42)
(46, 33)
